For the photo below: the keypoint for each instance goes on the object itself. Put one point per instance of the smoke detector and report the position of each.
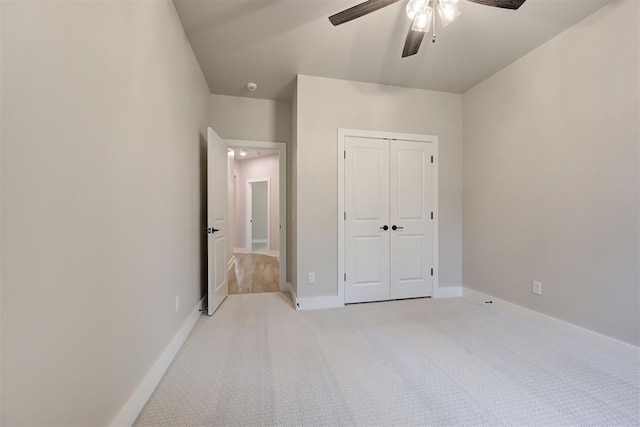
(252, 87)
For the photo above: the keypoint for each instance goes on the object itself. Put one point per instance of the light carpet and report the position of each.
(257, 362)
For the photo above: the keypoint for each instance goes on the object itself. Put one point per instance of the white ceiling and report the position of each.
(270, 41)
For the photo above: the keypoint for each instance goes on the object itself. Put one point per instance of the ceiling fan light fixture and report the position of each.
(448, 11)
(422, 21)
(422, 15)
(415, 6)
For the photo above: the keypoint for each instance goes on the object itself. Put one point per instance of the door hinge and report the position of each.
(345, 216)
(431, 215)
(432, 271)
(345, 154)
(345, 277)
(431, 159)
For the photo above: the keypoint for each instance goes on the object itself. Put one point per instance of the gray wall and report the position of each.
(249, 118)
(104, 112)
(323, 106)
(551, 177)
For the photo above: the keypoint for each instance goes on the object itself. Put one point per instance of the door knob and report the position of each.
(212, 230)
(396, 227)
(384, 227)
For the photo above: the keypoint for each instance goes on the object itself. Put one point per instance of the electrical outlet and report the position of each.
(177, 302)
(312, 277)
(536, 287)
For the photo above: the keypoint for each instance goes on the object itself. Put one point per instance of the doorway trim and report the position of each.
(344, 133)
(249, 213)
(282, 198)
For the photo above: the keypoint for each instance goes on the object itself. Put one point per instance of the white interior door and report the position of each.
(366, 216)
(411, 231)
(217, 287)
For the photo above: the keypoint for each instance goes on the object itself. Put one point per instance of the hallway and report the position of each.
(253, 274)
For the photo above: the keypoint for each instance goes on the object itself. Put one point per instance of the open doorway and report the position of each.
(257, 213)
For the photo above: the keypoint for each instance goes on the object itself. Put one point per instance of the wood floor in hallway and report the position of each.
(253, 274)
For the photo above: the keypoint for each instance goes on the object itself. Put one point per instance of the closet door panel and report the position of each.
(410, 212)
(367, 212)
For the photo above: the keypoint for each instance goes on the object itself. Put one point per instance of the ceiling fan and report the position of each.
(422, 13)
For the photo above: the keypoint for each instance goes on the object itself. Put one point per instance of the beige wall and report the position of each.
(249, 118)
(551, 172)
(104, 108)
(262, 167)
(324, 105)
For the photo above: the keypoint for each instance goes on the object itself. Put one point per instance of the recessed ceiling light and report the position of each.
(243, 152)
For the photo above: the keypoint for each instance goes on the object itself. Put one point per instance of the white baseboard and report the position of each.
(247, 251)
(602, 343)
(313, 303)
(316, 303)
(129, 412)
(448, 292)
(292, 292)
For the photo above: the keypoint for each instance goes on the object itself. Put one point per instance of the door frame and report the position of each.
(282, 161)
(249, 213)
(358, 133)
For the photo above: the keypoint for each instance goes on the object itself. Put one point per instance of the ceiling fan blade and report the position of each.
(505, 4)
(412, 43)
(359, 10)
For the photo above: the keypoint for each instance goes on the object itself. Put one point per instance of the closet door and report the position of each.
(411, 232)
(367, 214)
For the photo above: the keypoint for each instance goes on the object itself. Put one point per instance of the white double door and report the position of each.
(388, 219)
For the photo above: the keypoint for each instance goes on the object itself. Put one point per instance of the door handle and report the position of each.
(212, 230)
(384, 227)
(396, 227)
